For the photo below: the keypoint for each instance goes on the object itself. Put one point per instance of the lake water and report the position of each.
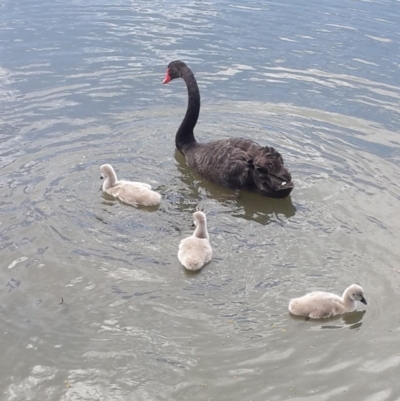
(94, 303)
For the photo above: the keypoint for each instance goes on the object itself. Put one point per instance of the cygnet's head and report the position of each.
(199, 218)
(108, 173)
(200, 221)
(106, 170)
(356, 293)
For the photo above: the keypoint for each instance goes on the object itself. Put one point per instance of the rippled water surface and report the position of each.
(94, 303)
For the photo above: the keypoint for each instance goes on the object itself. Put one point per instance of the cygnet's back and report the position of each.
(131, 192)
(195, 251)
(319, 304)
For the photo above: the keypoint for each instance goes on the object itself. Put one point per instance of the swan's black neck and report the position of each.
(185, 135)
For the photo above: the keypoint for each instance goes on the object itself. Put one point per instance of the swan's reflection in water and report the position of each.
(243, 204)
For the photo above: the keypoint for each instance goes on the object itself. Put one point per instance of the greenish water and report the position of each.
(95, 305)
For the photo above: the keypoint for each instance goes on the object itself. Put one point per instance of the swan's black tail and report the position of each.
(270, 175)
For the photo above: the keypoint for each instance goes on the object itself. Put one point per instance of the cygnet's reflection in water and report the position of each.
(352, 320)
(244, 204)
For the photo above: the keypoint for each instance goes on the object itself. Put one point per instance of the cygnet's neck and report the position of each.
(201, 230)
(110, 180)
(349, 303)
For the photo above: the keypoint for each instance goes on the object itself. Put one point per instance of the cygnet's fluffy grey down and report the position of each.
(319, 304)
(195, 251)
(131, 192)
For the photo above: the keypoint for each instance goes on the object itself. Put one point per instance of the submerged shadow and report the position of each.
(244, 204)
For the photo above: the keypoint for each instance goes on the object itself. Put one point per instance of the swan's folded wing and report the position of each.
(221, 162)
(237, 169)
(241, 163)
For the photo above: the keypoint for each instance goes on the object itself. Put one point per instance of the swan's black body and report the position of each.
(235, 163)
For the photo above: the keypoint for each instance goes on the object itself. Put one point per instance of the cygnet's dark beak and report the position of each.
(363, 300)
(193, 225)
(101, 177)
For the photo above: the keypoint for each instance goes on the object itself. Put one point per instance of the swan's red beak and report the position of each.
(167, 77)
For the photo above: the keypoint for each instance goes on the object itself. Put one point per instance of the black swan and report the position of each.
(236, 163)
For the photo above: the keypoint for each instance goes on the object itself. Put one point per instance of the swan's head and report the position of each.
(174, 70)
(356, 293)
